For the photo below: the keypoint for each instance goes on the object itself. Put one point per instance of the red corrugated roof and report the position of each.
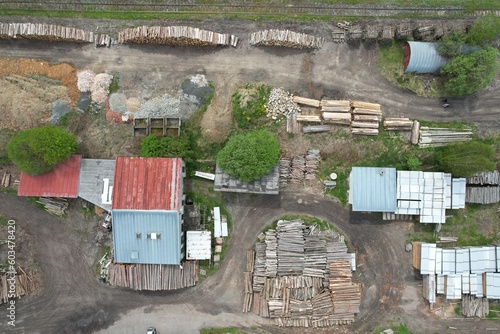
(147, 183)
(60, 182)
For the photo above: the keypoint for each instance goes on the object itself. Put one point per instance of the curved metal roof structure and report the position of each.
(421, 58)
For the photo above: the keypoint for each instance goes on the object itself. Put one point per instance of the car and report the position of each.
(151, 330)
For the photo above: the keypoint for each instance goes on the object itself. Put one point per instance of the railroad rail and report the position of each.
(299, 8)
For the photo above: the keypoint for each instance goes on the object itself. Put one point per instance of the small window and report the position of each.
(134, 255)
(138, 235)
(154, 236)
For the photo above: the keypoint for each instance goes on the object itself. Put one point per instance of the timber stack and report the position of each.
(298, 170)
(336, 111)
(483, 188)
(24, 283)
(312, 164)
(433, 137)
(102, 40)
(398, 124)
(153, 276)
(473, 306)
(298, 294)
(55, 206)
(45, 32)
(248, 300)
(366, 118)
(285, 166)
(286, 38)
(175, 36)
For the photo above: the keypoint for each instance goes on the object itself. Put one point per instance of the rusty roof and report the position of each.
(147, 183)
(60, 182)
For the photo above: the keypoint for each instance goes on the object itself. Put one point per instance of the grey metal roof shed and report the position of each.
(373, 189)
(421, 58)
(92, 184)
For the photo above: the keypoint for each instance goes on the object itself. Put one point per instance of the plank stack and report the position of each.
(285, 167)
(55, 206)
(24, 285)
(248, 300)
(483, 188)
(312, 164)
(45, 32)
(298, 294)
(398, 124)
(297, 173)
(286, 38)
(366, 118)
(175, 36)
(433, 137)
(473, 306)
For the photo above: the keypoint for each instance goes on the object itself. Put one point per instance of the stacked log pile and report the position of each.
(297, 295)
(46, 32)
(312, 164)
(248, 300)
(285, 167)
(153, 276)
(300, 168)
(286, 38)
(433, 137)
(271, 253)
(55, 206)
(290, 248)
(398, 124)
(175, 36)
(336, 111)
(25, 285)
(297, 173)
(316, 128)
(346, 295)
(102, 40)
(473, 306)
(483, 188)
(366, 118)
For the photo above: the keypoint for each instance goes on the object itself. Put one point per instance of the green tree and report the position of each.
(484, 30)
(466, 159)
(250, 156)
(450, 45)
(466, 74)
(151, 146)
(39, 150)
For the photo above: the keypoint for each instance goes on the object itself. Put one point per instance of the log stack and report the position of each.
(336, 111)
(279, 103)
(175, 36)
(250, 264)
(433, 137)
(312, 164)
(55, 206)
(297, 173)
(366, 118)
(285, 166)
(290, 248)
(285, 38)
(45, 32)
(102, 40)
(398, 124)
(306, 101)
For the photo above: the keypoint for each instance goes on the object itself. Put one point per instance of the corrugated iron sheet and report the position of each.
(147, 236)
(462, 261)
(458, 193)
(424, 58)
(148, 183)
(198, 245)
(373, 189)
(93, 173)
(440, 284)
(60, 182)
(454, 287)
(448, 261)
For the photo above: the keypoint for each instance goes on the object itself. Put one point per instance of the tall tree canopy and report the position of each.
(250, 156)
(466, 159)
(451, 45)
(468, 73)
(39, 150)
(484, 30)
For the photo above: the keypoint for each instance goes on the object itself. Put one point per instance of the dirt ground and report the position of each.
(72, 300)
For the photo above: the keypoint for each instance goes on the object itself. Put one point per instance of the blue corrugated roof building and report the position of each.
(373, 189)
(147, 236)
(422, 57)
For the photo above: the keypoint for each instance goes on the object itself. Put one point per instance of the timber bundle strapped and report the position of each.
(287, 38)
(176, 36)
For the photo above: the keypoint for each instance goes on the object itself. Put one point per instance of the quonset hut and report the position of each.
(422, 58)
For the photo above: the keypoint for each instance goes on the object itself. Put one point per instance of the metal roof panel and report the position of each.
(198, 245)
(373, 189)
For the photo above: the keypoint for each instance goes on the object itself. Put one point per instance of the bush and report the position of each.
(466, 74)
(451, 45)
(484, 30)
(39, 150)
(466, 159)
(179, 147)
(250, 156)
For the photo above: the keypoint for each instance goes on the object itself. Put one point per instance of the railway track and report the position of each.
(312, 9)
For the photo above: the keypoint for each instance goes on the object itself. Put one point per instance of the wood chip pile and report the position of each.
(433, 137)
(25, 285)
(175, 36)
(300, 168)
(286, 38)
(45, 32)
(483, 188)
(153, 276)
(302, 288)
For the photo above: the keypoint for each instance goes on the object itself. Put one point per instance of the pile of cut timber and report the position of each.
(285, 166)
(485, 178)
(309, 118)
(102, 40)
(312, 164)
(296, 294)
(56, 206)
(280, 102)
(366, 118)
(306, 101)
(287, 38)
(298, 170)
(335, 106)
(346, 295)
(24, 284)
(483, 188)
(6, 179)
(432, 137)
(45, 32)
(473, 306)
(315, 128)
(153, 276)
(397, 124)
(175, 36)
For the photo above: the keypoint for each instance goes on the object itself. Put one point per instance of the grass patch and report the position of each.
(221, 330)
(249, 106)
(3, 220)
(458, 311)
(114, 86)
(391, 67)
(397, 329)
(494, 310)
(448, 125)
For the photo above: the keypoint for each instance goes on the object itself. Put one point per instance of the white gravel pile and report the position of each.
(280, 103)
(85, 80)
(100, 88)
(162, 106)
(199, 80)
(118, 103)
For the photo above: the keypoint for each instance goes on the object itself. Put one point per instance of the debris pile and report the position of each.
(280, 103)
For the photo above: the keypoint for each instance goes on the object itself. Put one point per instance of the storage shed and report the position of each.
(422, 58)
